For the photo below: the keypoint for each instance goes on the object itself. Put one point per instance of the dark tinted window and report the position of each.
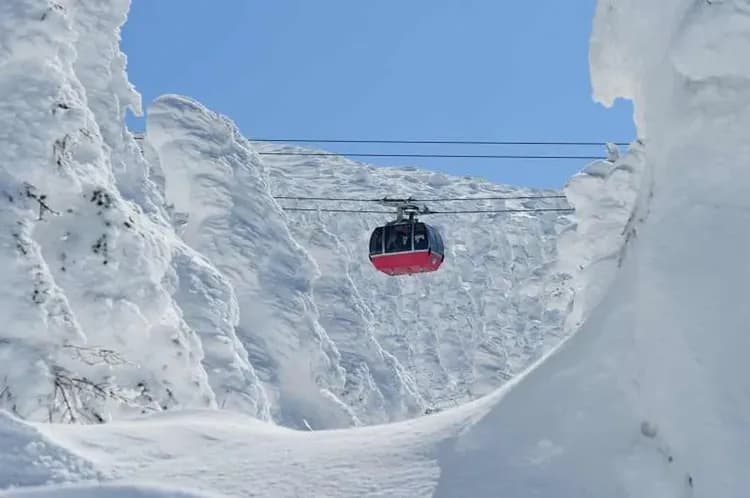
(398, 238)
(376, 241)
(420, 237)
(436, 241)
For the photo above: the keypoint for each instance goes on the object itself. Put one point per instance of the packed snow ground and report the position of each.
(106, 490)
(220, 453)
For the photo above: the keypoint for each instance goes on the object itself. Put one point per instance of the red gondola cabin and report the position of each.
(406, 247)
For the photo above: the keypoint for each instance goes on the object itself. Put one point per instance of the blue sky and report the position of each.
(417, 69)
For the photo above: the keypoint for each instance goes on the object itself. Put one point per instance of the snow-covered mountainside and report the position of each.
(223, 453)
(91, 325)
(161, 273)
(335, 342)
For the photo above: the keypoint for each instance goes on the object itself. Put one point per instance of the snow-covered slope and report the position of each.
(496, 303)
(103, 306)
(228, 454)
(213, 178)
(164, 274)
(106, 491)
(586, 420)
(335, 342)
(450, 453)
(84, 268)
(650, 397)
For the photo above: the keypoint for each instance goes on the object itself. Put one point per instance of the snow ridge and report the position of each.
(595, 245)
(213, 176)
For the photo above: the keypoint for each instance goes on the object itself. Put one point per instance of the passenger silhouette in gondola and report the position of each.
(399, 239)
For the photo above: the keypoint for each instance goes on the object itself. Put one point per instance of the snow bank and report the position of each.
(30, 459)
(237, 456)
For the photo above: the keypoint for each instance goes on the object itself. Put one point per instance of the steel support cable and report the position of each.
(449, 156)
(473, 211)
(445, 142)
(425, 199)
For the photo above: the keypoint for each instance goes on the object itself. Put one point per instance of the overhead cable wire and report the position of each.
(331, 210)
(451, 156)
(489, 198)
(446, 142)
(425, 199)
(474, 211)
(535, 210)
(333, 199)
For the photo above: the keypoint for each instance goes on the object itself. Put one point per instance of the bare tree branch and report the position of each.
(97, 356)
(43, 206)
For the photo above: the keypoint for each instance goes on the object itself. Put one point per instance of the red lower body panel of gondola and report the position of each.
(406, 263)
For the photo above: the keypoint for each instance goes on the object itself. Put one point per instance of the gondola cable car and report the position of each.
(406, 246)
